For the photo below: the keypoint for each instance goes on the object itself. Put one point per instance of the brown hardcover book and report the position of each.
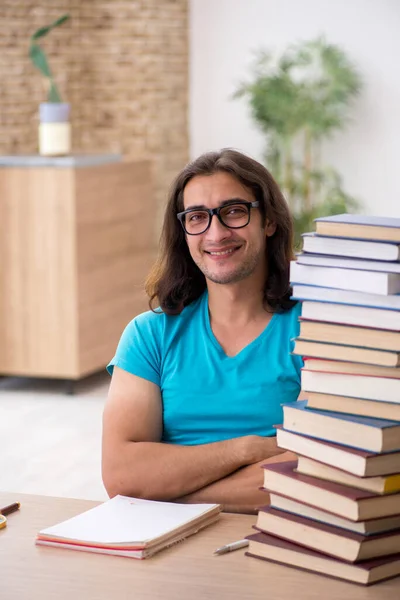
(350, 335)
(327, 539)
(339, 352)
(354, 368)
(354, 406)
(364, 227)
(348, 502)
(373, 526)
(355, 461)
(379, 485)
(281, 551)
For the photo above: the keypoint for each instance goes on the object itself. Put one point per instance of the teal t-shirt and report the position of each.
(208, 396)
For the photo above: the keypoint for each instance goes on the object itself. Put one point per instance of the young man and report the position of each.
(198, 383)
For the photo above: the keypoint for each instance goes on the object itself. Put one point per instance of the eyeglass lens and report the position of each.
(233, 216)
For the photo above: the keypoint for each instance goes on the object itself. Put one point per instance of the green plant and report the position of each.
(298, 100)
(39, 59)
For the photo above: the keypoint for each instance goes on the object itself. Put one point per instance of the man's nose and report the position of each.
(217, 231)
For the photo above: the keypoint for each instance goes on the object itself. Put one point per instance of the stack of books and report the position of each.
(336, 510)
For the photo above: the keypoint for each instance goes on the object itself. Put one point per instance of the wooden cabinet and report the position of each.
(76, 244)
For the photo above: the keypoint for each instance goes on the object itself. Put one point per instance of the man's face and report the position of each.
(226, 255)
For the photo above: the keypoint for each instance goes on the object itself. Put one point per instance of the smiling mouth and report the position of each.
(222, 252)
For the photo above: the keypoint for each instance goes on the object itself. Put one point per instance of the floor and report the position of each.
(50, 442)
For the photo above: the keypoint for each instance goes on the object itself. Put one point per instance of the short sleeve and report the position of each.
(138, 350)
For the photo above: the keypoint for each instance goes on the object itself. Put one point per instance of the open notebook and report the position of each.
(129, 527)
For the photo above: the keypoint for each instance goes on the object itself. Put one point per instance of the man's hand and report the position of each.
(239, 492)
(257, 448)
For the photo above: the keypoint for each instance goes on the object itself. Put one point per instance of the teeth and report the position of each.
(222, 253)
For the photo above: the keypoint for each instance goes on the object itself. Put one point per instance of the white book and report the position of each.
(348, 263)
(129, 526)
(351, 315)
(319, 244)
(381, 389)
(346, 279)
(347, 297)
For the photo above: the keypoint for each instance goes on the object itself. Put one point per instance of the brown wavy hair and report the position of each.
(175, 280)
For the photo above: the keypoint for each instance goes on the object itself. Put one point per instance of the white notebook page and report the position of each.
(125, 520)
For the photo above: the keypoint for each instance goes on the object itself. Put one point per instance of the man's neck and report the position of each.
(236, 304)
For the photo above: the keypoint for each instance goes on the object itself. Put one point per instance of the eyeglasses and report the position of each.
(234, 216)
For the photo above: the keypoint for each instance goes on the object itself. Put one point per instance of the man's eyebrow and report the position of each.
(223, 203)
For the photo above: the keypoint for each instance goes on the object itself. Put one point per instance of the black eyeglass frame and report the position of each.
(216, 211)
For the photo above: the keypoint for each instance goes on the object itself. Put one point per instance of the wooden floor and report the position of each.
(50, 442)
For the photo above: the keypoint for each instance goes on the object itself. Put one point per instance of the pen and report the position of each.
(231, 547)
(10, 508)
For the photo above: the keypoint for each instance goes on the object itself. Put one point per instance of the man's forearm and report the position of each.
(239, 491)
(165, 472)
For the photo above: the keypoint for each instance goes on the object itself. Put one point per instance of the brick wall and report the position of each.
(123, 66)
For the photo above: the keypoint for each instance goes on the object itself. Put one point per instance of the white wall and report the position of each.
(224, 35)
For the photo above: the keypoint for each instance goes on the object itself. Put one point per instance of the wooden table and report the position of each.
(185, 571)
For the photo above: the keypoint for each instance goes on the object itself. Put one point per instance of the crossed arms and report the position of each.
(136, 463)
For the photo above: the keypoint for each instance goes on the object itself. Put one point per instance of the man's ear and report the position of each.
(270, 229)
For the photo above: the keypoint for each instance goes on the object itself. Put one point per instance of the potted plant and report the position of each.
(299, 99)
(54, 127)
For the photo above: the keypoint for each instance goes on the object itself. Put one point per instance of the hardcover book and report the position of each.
(364, 227)
(373, 526)
(319, 244)
(380, 484)
(280, 551)
(350, 335)
(327, 539)
(383, 389)
(341, 296)
(346, 314)
(339, 352)
(348, 502)
(341, 366)
(343, 262)
(354, 406)
(373, 435)
(352, 460)
(371, 282)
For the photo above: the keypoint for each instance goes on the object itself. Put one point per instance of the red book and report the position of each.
(328, 539)
(348, 502)
(280, 551)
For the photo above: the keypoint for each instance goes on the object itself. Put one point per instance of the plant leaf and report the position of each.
(39, 60)
(45, 30)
